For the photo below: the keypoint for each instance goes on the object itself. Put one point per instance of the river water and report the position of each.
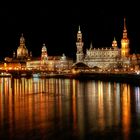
(47, 109)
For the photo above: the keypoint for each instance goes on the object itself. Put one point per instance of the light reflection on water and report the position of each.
(65, 108)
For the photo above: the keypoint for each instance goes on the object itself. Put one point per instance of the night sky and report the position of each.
(56, 25)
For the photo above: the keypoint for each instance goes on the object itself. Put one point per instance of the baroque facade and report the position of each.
(109, 57)
(24, 60)
(49, 63)
(104, 57)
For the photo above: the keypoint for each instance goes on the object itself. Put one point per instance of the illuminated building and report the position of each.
(18, 61)
(44, 55)
(49, 63)
(23, 60)
(99, 57)
(125, 42)
(103, 58)
(107, 57)
(22, 51)
(79, 44)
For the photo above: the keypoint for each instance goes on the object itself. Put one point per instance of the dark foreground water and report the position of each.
(46, 109)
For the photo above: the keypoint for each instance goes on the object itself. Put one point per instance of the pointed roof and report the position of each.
(22, 39)
(114, 43)
(21, 34)
(91, 46)
(124, 23)
(124, 30)
(80, 65)
(79, 30)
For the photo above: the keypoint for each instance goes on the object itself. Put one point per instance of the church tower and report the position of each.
(114, 44)
(44, 55)
(125, 42)
(79, 44)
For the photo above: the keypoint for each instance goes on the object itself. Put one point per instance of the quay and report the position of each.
(128, 77)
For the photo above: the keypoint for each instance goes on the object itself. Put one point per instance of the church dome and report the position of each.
(22, 51)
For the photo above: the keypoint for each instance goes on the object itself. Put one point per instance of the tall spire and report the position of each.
(79, 30)
(125, 42)
(124, 23)
(124, 30)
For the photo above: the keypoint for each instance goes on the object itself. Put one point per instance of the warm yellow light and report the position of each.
(5, 65)
(74, 71)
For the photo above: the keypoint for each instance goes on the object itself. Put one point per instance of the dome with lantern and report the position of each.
(22, 51)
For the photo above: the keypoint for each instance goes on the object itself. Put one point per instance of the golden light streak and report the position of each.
(74, 110)
(126, 114)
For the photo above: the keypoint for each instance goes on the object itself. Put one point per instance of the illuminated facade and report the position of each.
(44, 55)
(125, 42)
(97, 57)
(102, 58)
(49, 63)
(79, 44)
(10, 66)
(22, 60)
(109, 57)
(105, 57)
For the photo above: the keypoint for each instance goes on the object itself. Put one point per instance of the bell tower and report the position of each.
(125, 42)
(44, 55)
(114, 44)
(79, 44)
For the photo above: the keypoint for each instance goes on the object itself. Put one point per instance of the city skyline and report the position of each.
(58, 30)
